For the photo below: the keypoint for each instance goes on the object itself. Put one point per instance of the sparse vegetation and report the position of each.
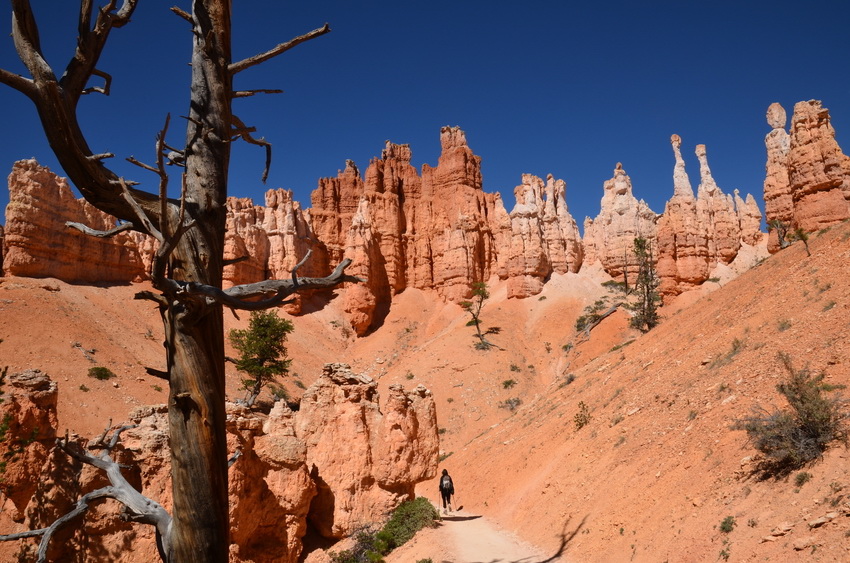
(515, 367)
(101, 373)
(801, 235)
(645, 309)
(84, 389)
(569, 378)
(567, 347)
(592, 314)
(511, 404)
(828, 306)
(508, 383)
(784, 325)
(480, 294)
(802, 478)
(444, 457)
(409, 375)
(789, 439)
(737, 346)
(262, 351)
(157, 388)
(582, 417)
(728, 524)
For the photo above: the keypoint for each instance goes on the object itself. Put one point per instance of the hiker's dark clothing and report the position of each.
(447, 489)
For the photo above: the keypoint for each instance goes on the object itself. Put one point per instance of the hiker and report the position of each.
(447, 489)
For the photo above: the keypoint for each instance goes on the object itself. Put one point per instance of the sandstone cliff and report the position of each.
(342, 461)
(609, 238)
(696, 234)
(807, 183)
(37, 243)
(544, 237)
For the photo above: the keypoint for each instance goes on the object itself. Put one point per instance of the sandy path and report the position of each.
(464, 537)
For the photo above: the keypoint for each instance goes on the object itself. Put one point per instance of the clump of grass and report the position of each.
(569, 378)
(84, 389)
(802, 478)
(727, 524)
(737, 346)
(409, 375)
(508, 383)
(789, 439)
(515, 367)
(444, 457)
(828, 306)
(784, 325)
(511, 404)
(101, 373)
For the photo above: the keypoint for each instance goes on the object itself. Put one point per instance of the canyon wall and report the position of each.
(807, 181)
(38, 244)
(289, 469)
(438, 230)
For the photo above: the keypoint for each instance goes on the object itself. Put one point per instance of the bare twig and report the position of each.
(281, 48)
(248, 93)
(183, 14)
(107, 82)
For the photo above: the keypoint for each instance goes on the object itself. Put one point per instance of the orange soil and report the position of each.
(650, 477)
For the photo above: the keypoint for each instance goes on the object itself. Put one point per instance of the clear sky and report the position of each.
(567, 87)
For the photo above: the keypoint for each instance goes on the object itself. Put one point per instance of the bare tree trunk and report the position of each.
(195, 339)
(188, 264)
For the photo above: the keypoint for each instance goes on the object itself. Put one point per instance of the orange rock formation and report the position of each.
(287, 458)
(807, 184)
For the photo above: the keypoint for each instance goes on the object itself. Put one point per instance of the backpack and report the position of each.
(446, 484)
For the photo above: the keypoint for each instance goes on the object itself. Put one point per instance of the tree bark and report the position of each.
(188, 265)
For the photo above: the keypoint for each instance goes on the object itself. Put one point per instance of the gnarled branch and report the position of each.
(138, 507)
(100, 234)
(281, 48)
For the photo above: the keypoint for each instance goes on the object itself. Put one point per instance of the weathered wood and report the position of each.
(187, 266)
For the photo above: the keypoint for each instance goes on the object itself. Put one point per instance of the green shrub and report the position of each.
(515, 367)
(727, 525)
(792, 438)
(101, 373)
(508, 383)
(370, 547)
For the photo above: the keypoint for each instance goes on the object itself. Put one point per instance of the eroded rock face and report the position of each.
(807, 181)
(544, 236)
(778, 200)
(609, 239)
(818, 171)
(286, 459)
(695, 234)
(385, 453)
(37, 243)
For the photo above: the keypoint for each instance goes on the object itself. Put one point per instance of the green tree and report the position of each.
(480, 294)
(645, 307)
(262, 348)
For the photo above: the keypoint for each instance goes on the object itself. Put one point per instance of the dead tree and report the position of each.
(187, 269)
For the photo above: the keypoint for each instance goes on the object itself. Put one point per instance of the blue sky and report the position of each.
(568, 88)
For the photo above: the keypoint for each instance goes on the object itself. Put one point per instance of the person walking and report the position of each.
(447, 489)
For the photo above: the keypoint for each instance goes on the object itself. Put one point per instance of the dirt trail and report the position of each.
(465, 537)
